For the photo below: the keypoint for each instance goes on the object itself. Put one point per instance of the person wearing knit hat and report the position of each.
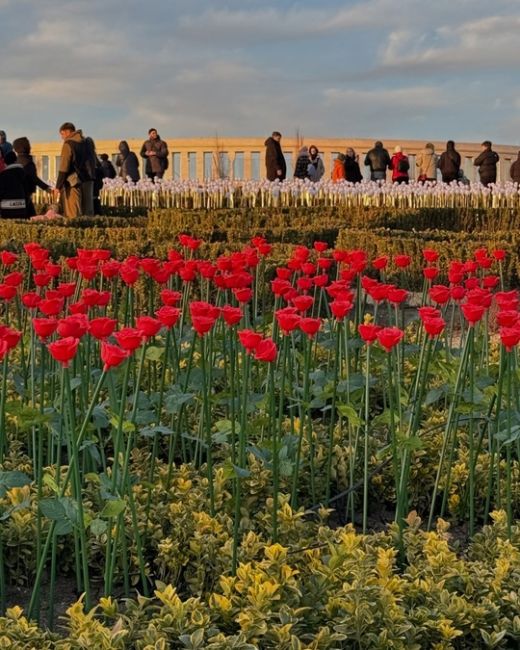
(400, 166)
(22, 147)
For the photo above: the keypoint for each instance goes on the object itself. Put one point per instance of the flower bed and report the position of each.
(185, 419)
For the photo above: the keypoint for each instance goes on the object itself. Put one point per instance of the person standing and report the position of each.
(378, 159)
(276, 167)
(13, 197)
(107, 167)
(338, 170)
(426, 162)
(22, 148)
(127, 162)
(514, 172)
(352, 172)
(72, 171)
(487, 164)
(400, 166)
(5, 147)
(155, 152)
(449, 163)
(316, 168)
(302, 164)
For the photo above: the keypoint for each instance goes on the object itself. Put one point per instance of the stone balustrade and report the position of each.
(243, 158)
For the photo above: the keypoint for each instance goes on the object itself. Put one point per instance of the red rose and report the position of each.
(266, 351)
(249, 339)
(112, 355)
(64, 350)
(368, 332)
(102, 327)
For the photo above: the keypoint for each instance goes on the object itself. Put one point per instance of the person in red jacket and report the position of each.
(338, 171)
(399, 165)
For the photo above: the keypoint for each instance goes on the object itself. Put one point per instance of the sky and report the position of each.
(190, 68)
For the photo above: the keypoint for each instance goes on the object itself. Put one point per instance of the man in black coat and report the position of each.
(22, 147)
(155, 152)
(276, 168)
(487, 164)
(13, 197)
(378, 159)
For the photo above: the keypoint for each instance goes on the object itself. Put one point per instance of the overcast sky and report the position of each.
(330, 68)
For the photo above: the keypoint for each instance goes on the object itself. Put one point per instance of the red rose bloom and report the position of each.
(430, 255)
(430, 272)
(64, 350)
(74, 326)
(302, 303)
(249, 339)
(368, 332)
(310, 326)
(402, 261)
(102, 327)
(440, 294)
(266, 351)
(147, 325)
(434, 326)
(231, 315)
(112, 355)
(340, 308)
(380, 262)
(473, 312)
(509, 337)
(288, 319)
(129, 338)
(389, 337)
(168, 315)
(44, 327)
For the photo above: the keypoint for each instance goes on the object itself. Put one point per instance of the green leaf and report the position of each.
(98, 526)
(113, 508)
(13, 479)
(159, 429)
(434, 395)
(49, 481)
(154, 353)
(348, 412)
(174, 402)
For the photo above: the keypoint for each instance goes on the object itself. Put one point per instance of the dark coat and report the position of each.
(108, 169)
(378, 159)
(301, 167)
(515, 170)
(274, 160)
(127, 162)
(13, 198)
(155, 165)
(487, 166)
(352, 172)
(449, 165)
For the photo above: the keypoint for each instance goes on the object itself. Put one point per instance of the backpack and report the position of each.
(403, 165)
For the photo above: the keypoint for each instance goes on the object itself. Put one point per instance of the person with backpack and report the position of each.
(400, 166)
(449, 163)
(73, 170)
(378, 160)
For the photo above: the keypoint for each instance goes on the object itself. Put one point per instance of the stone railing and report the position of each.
(243, 158)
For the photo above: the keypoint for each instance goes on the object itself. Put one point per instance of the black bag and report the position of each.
(403, 165)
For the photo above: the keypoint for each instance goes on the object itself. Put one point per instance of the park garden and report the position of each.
(292, 424)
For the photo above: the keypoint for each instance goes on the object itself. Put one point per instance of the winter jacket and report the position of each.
(426, 162)
(155, 165)
(515, 170)
(13, 198)
(378, 159)
(449, 165)
(487, 166)
(74, 162)
(352, 172)
(22, 147)
(5, 147)
(302, 163)
(274, 160)
(128, 162)
(338, 171)
(316, 168)
(108, 169)
(398, 163)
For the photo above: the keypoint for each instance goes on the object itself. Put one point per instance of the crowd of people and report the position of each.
(81, 171)
(80, 174)
(346, 166)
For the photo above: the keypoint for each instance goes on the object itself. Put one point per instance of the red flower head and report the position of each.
(473, 312)
(14, 279)
(320, 280)
(430, 272)
(189, 242)
(396, 295)
(507, 299)
(94, 298)
(243, 295)
(168, 315)
(258, 240)
(78, 307)
(509, 337)
(379, 292)
(302, 303)
(129, 338)
(470, 266)
(7, 292)
(320, 246)
(110, 269)
(10, 336)
(7, 258)
(308, 268)
(42, 279)
(324, 263)
(428, 312)
(266, 351)
(44, 327)
(231, 315)
(457, 292)
(310, 326)
(380, 262)
(402, 261)
(249, 339)
(508, 318)
(301, 253)
(480, 296)
(112, 355)
(499, 254)
(434, 326)
(170, 297)
(148, 326)
(440, 294)
(490, 281)
(206, 269)
(31, 299)
(389, 337)
(288, 319)
(304, 284)
(64, 350)
(283, 273)
(51, 306)
(202, 324)
(368, 332)
(66, 289)
(340, 308)
(128, 273)
(430, 255)
(74, 326)
(102, 327)
(53, 270)
(279, 286)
